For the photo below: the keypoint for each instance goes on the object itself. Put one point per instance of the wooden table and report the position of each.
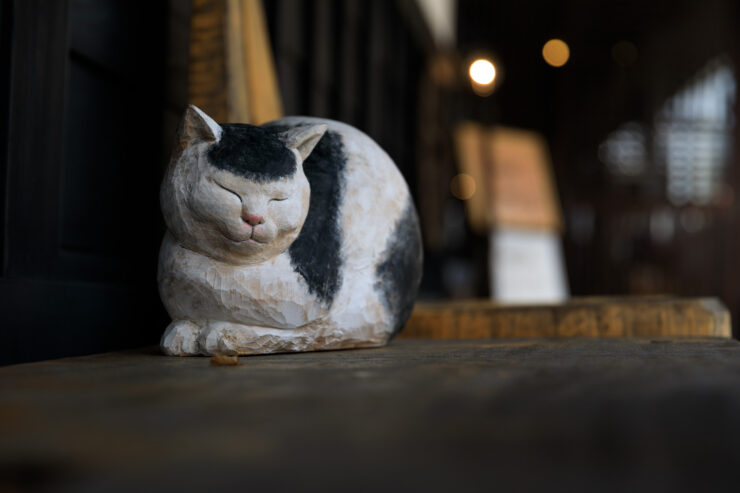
(565, 414)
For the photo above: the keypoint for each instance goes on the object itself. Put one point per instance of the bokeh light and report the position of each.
(462, 186)
(556, 52)
(482, 71)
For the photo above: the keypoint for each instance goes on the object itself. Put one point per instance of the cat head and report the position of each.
(237, 192)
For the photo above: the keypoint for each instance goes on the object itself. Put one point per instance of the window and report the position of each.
(693, 135)
(691, 139)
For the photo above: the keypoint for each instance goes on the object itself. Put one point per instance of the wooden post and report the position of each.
(231, 70)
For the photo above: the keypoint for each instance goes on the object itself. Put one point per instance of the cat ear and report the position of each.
(196, 126)
(304, 138)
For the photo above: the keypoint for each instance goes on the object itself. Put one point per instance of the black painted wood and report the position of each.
(35, 136)
(46, 318)
(81, 222)
(350, 80)
(354, 61)
(6, 48)
(323, 59)
(292, 64)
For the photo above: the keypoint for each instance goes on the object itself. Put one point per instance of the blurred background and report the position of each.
(553, 148)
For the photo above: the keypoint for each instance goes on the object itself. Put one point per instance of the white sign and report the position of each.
(526, 266)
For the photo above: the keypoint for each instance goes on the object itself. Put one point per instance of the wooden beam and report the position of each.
(236, 63)
(580, 317)
(207, 66)
(263, 93)
(231, 70)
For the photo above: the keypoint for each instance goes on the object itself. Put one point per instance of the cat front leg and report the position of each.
(219, 337)
(180, 338)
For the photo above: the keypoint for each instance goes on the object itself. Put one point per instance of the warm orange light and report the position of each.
(482, 71)
(462, 186)
(556, 52)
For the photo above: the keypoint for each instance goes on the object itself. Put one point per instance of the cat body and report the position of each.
(295, 236)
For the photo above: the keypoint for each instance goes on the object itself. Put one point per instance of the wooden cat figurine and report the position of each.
(298, 235)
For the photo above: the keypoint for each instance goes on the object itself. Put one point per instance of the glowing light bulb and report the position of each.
(556, 52)
(482, 71)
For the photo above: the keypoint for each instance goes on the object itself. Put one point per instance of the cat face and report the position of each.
(237, 193)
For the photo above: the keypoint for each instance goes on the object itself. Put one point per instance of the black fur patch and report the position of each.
(398, 276)
(255, 153)
(316, 253)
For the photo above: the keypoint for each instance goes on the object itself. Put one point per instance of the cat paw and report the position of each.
(180, 338)
(230, 338)
(220, 338)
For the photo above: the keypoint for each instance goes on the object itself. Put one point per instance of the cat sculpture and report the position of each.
(297, 235)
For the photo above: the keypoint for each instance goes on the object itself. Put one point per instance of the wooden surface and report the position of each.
(232, 74)
(207, 68)
(265, 103)
(557, 415)
(579, 317)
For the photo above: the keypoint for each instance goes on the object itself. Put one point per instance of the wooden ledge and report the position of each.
(579, 317)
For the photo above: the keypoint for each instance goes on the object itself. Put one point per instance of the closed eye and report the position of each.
(228, 190)
(278, 199)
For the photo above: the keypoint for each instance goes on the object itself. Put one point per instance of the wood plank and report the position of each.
(232, 73)
(6, 55)
(323, 58)
(207, 60)
(350, 85)
(291, 51)
(265, 103)
(35, 137)
(536, 415)
(580, 317)
(236, 67)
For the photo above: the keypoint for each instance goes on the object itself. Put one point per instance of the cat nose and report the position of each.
(253, 219)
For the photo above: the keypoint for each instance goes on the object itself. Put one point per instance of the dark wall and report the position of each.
(83, 154)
